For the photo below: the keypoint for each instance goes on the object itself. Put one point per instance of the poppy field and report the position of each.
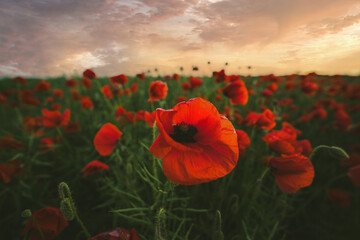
(176, 157)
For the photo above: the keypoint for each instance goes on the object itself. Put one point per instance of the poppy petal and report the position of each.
(106, 139)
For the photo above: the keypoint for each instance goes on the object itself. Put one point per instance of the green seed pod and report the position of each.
(66, 210)
(26, 213)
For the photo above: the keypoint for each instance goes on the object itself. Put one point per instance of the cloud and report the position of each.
(51, 37)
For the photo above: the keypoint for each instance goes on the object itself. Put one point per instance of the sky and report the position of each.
(45, 38)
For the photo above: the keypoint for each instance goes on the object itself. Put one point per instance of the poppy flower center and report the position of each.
(184, 133)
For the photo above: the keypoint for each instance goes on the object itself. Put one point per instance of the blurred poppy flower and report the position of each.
(10, 169)
(220, 76)
(106, 139)
(55, 119)
(354, 175)
(176, 77)
(338, 196)
(118, 234)
(289, 86)
(51, 222)
(94, 167)
(195, 82)
(8, 142)
(157, 90)
(281, 142)
(186, 86)
(72, 127)
(119, 112)
(19, 79)
(75, 95)
(196, 143)
(141, 76)
(342, 120)
(33, 125)
(150, 118)
(106, 91)
(292, 172)
(88, 73)
(119, 79)
(181, 99)
(42, 86)
(354, 159)
(86, 82)
(26, 97)
(306, 147)
(236, 92)
(140, 115)
(265, 120)
(71, 83)
(243, 141)
(309, 88)
(86, 102)
(134, 87)
(58, 93)
(46, 144)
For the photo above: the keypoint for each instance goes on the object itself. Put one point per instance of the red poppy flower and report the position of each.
(19, 79)
(342, 120)
(186, 86)
(354, 159)
(150, 118)
(292, 172)
(10, 169)
(309, 88)
(181, 99)
(281, 142)
(119, 112)
(243, 141)
(88, 73)
(94, 167)
(176, 77)
(195, 82)
(58, 93)
(106, 91)
(26, 97)
(220, 76)
(70, 83)
(118, 234)
(51, 222)
(306, 147)
(196, 144)
(106, 139)
(354, 175)
(119, 79)
(265, 120)
(75, 95)
(236, 92)
(134, 87)
(339, 196)
(55, 119)
(86, 102)
(86, 82)
(46, 144)
(8, 142)
(42, 86)
(141, 76)
(72, 127)
(290, 85)
(157, 90)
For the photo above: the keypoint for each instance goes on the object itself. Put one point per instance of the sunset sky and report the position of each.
(53, 37)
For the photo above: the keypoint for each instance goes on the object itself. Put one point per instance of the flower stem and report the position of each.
(38, 227)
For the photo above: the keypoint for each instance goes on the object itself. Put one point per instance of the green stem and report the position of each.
(38, 227)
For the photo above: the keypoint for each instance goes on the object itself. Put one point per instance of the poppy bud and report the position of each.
(161, 224)
(26, 213)
(66, 210)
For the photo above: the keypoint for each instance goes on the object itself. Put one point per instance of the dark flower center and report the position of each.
(184, 133)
